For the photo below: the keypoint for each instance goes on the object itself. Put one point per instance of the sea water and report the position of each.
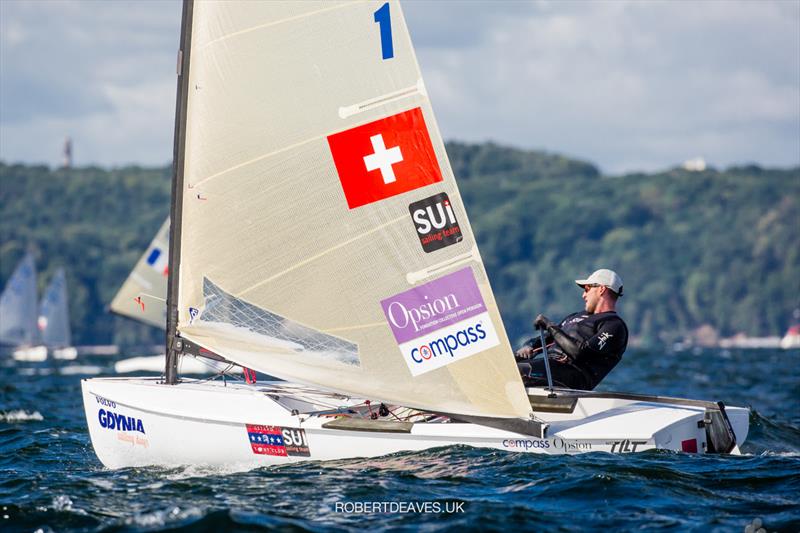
(50, 479)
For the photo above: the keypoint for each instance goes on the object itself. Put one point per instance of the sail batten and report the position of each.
(270, 24)
(326, 243)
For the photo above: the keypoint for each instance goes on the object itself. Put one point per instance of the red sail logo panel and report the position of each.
(384, 158)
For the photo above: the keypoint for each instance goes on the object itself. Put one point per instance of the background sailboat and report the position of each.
(143, 295)
(18, 313)
(53, 319)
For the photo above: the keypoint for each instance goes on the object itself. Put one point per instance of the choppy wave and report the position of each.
(771, 436)
(50, 478)
(20, 415)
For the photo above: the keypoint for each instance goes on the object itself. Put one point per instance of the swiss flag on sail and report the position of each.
(384, 158)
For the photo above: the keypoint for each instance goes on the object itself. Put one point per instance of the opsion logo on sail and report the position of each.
(440, 322)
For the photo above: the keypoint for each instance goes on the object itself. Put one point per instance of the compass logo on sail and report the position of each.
(440, 322)
(384, 158)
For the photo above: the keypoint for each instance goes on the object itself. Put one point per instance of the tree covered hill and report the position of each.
(694, 248)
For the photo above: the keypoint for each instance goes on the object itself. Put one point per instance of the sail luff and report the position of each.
(176, 207)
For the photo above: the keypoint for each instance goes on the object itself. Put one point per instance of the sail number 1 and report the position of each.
(384, 20)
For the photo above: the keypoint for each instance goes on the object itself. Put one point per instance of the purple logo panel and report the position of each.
(434, 305)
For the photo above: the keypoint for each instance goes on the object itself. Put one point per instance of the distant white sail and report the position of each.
(143, 295)
(322, 237)
(54, 313)
(18, 312)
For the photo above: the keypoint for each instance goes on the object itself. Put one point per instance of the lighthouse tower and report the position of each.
(67, 160)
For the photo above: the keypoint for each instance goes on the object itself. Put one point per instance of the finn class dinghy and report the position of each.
(18, 313)
(142, 296)
(53, 321)
(317, 235)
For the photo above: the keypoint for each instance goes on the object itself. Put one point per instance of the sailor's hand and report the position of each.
(526, 352)
(542, 322)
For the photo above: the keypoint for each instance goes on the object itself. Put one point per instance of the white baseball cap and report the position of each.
(605, 277)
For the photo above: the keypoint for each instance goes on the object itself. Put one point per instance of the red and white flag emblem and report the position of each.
(384, 158)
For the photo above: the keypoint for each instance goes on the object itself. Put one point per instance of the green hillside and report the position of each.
(694, 248)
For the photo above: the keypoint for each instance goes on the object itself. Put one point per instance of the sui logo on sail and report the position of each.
(435, 222)
(440, 322)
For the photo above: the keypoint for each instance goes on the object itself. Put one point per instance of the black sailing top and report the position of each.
(591, 344)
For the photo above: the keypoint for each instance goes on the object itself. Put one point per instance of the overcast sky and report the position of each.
(626, 85)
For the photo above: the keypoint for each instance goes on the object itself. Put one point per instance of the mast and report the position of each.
(173, 342)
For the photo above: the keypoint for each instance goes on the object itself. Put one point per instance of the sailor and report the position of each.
(584, 346)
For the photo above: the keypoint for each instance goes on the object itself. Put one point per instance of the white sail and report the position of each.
(54, 313)
(143, 295)
(322, 236)
(18, 306)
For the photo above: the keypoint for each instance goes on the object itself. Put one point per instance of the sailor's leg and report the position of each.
(563, 375)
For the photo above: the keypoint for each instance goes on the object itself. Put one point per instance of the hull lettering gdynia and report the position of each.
(118, 422)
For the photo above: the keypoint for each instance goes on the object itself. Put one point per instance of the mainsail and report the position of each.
(54, 313)
(142, 296)
(319, 229)
(18, 305)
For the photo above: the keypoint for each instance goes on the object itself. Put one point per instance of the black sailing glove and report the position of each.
(542, 322)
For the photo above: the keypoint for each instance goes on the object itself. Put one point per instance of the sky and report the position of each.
(628, 86)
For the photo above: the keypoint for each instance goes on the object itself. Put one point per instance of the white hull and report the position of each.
(31, 354)
(68, 353)
(789, 342)
(139, 422)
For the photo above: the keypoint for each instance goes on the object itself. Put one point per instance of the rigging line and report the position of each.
(321, 254)
(275, 23)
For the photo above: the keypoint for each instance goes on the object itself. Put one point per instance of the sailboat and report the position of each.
(792, 338)
(143, 297)
(318, 235)
(54, 319)
(18, 314)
